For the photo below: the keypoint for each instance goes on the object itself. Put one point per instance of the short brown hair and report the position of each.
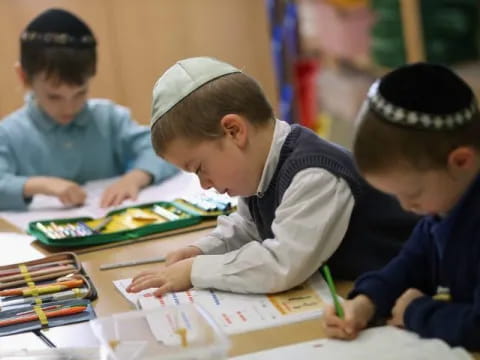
(197, 116)
(68, 65)
(380, 145)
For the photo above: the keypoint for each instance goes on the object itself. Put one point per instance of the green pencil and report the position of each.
(331, 286)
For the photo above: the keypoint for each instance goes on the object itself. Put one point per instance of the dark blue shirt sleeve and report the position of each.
(456, 323)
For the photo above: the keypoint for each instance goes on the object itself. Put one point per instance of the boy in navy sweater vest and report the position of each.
(301, 200)
(419, 139)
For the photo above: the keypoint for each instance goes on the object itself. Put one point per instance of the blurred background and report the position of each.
(138, 40)
(315, 59)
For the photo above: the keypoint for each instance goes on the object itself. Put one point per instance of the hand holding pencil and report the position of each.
(357, 313)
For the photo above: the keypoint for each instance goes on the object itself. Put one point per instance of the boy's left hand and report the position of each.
(126, 188)
(401, 305)
(175, 277)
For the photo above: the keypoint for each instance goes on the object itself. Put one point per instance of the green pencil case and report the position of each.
(125, 223)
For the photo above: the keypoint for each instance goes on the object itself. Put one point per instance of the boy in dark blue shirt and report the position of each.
(419, 139)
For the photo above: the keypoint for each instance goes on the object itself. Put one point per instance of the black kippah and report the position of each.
(424, 96)
(58, 27)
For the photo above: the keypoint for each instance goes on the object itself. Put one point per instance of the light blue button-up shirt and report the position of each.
(101, 142)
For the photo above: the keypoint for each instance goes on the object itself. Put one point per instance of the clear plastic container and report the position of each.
(84, 353)
(174, 332)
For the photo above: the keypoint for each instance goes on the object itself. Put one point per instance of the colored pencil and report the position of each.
(49, 314)
(37, 272)
(47, 276)
(62, 295)
(102, 224)
(333, 292)
(132, 263)
(16, 270)
(43, 289)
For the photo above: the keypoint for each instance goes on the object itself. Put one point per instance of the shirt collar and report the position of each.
(42, 119)
(280, 132)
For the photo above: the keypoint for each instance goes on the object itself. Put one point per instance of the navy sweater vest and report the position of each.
(378, 226)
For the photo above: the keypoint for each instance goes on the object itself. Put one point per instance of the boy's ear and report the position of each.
(22, 75)
(462, 158)
(235, 127)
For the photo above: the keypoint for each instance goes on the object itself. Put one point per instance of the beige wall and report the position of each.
(139, 39)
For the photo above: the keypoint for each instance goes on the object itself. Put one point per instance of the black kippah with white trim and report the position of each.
(58, 27)
(423, 96)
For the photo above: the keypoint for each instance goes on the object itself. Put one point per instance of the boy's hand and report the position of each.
(126, 188)
(175, 277)
(401, 304)
(68, 192)
(358, 313)
(182, 253)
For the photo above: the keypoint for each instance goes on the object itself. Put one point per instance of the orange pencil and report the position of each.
(48, 314)
(43, 289)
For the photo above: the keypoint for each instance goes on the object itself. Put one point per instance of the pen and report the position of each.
(331, 286)
(48, 314)
(102, 224)
(43, 289)
(132, 263)
(62, 295)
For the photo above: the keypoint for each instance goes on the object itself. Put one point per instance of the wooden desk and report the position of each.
(110, 301)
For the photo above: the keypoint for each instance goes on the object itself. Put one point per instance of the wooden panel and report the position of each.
(138, 40)
(162, 32)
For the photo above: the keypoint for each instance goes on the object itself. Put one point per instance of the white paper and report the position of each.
(47, 207)
(237, 313)
(382, 343)
(15, 237)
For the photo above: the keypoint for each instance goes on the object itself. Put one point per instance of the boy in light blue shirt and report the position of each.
(59, 139)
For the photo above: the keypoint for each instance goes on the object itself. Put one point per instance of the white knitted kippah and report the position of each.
(182, 79)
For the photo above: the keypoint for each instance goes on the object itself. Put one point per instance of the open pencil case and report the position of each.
(128, 223)
(42, 293)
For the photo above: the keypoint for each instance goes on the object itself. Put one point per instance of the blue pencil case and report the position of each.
(55, 313)
(51, 291)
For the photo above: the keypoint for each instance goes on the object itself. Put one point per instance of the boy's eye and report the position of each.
(53, 97)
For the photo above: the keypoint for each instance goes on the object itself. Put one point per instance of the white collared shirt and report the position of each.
(309, 225)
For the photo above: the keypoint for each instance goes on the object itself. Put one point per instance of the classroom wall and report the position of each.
(140, 39)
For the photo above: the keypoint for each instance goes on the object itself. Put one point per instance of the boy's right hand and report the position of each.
(182, 253)
(358, 312)
(68, 192)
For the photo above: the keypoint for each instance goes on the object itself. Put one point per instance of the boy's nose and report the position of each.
(67, 108)
(409, 205)
(205, 183)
